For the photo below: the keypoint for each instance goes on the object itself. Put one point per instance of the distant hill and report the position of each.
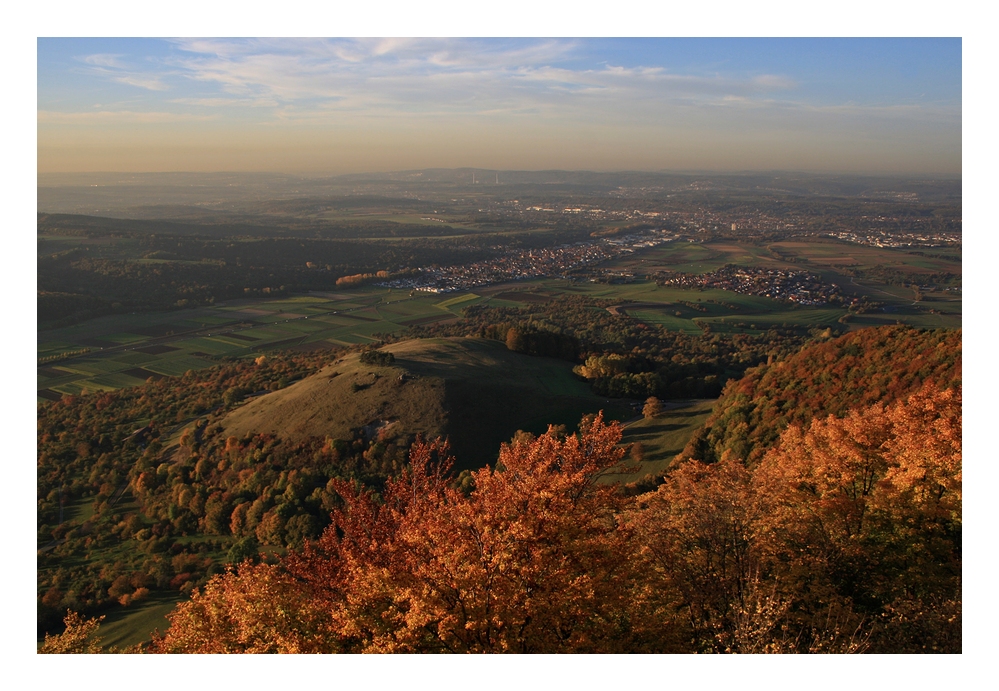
(854, 371)
(473, 390)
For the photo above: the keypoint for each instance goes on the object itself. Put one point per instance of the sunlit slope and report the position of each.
(473, 390)
(341, 398)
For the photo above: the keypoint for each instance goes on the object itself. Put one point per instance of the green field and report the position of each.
(827, 258)
(467, 297)
(663, 437)
(175, 342)
(130, 625)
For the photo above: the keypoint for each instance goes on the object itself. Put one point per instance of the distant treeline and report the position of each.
(167, 272)
(620, 356)
(257, 227)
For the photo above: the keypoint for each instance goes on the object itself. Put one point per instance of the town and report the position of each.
(799, 287)
(511, 265)
(887, 239)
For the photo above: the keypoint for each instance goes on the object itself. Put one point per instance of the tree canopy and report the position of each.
(844, 538)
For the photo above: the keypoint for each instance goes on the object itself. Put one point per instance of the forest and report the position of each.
(840, 532)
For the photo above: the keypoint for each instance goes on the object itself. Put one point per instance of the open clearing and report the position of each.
(663, 437)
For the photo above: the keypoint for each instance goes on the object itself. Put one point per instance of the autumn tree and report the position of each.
(533, 559)
(79, 636)
(255, 609)
(872, 504)
(696, 529)
(653, 408)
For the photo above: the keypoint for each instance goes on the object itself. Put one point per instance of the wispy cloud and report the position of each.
(312, 80)
(104, 60)
(151, 83)
(307, 78)
(116, 116)
(114, 67)
(226, 102)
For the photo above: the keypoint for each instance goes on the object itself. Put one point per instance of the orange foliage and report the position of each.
(846, 519)
(876, 494)
(859, 369)
(533, 560)
(845, 537)
(902, 463)
(257, 609)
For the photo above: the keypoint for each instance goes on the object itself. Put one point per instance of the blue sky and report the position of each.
(354, 105)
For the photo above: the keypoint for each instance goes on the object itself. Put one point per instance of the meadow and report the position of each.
(662, 437)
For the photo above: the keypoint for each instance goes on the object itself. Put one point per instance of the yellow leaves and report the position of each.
(899, 461)
(79, 636)
(259, 609)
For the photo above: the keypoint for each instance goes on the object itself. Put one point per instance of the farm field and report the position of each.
(815, 255)
(828, 258)
(125, 350)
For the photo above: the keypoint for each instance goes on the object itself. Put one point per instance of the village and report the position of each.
(799, 287)
(884, 238)
(551, 262)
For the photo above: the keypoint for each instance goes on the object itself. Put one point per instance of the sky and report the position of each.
(331, 106)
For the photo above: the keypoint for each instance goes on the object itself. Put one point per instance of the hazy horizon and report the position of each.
(344, 106)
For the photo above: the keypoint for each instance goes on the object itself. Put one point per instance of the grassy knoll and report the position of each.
(663, 437)
(473, 390)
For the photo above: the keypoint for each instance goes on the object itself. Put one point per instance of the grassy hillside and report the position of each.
(473, 390)
(663, 437)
